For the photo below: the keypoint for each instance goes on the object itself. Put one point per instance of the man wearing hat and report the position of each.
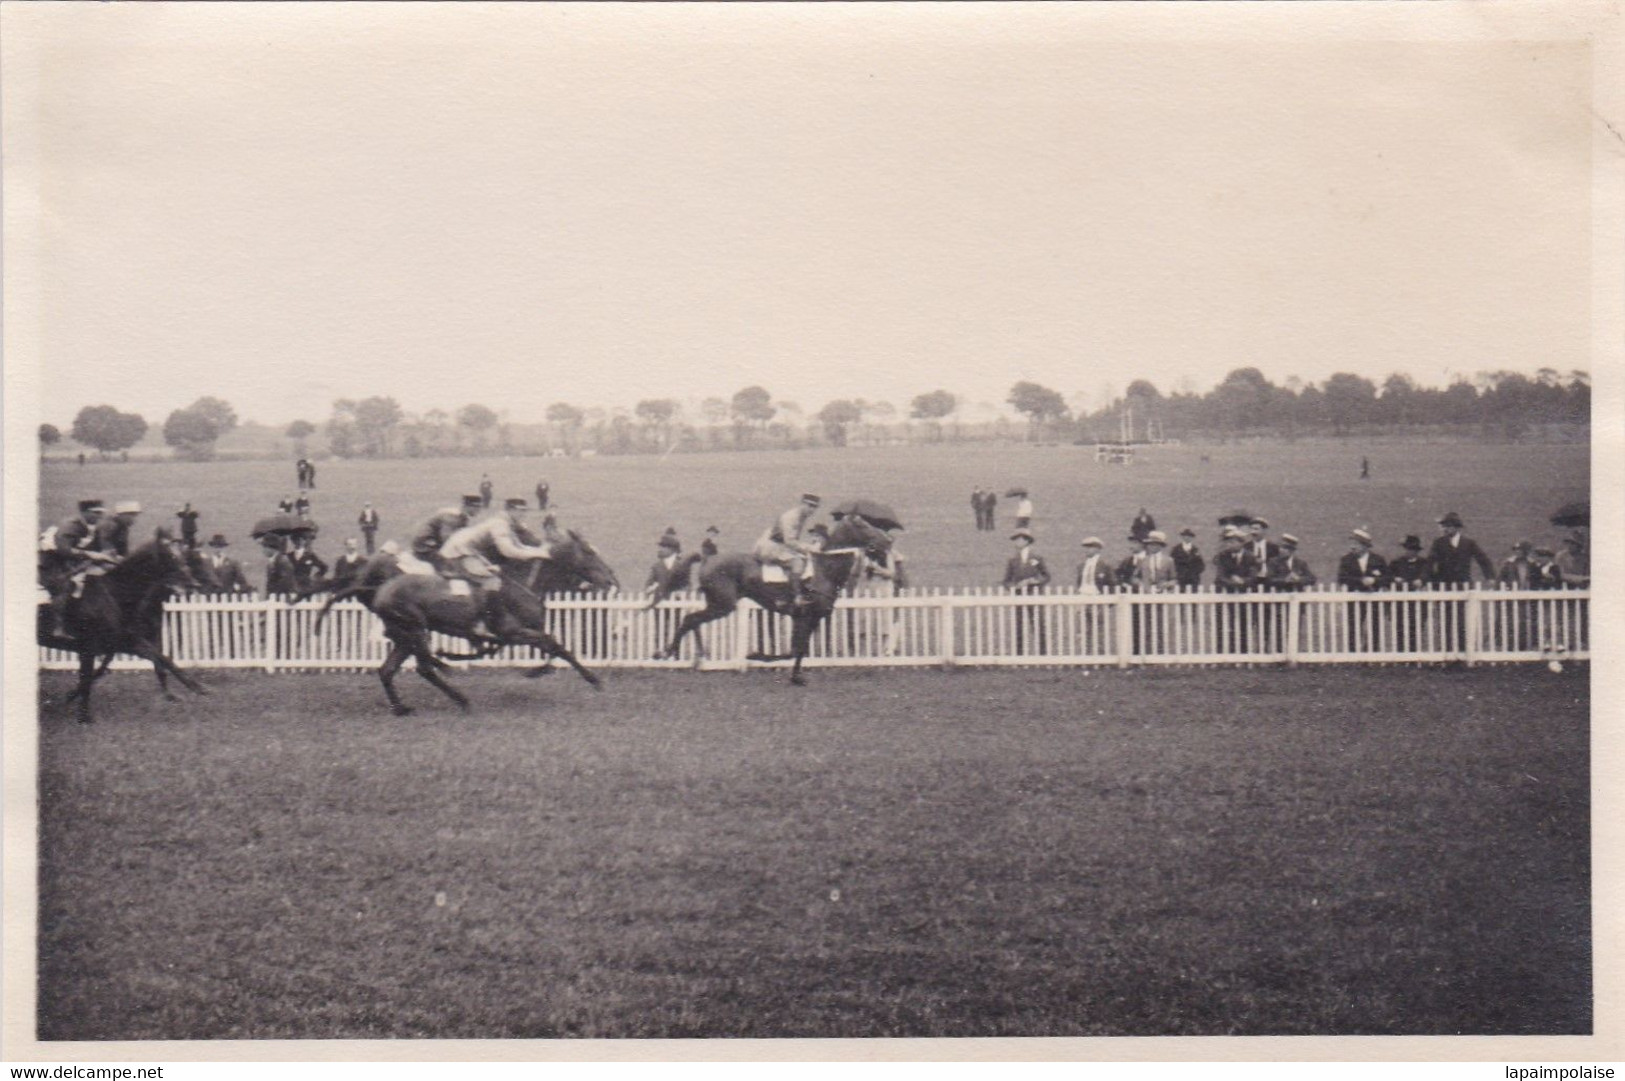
(308, 567)
(670, 571)
(1188, 561)
(1516, 570)
(69, 550)
(1362, 570)
(1289, 573)
(1575, 561)
(1094, 574)
(783, 544)
(1026, 573)
(1409, 571)
(708, 546)
(1546, 572)
(1128, 568)
(1231, 574)
(1142, 525)
(475, 552)
(1155, 573)
(1453, 556)
(432, 535)
(221, 573)
(1259, 551)
(368, 521)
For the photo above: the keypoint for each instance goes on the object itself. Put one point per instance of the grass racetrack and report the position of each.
(969, 853)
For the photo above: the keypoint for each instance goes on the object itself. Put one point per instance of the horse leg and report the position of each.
(398, 652)
(693, 622)
(107, 660)
(87, 676)
(161, 664)
(554, 648)
(800, 639)
(429, 669)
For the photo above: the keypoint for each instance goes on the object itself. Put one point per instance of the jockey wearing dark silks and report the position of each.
(77, 547)
(432, 535)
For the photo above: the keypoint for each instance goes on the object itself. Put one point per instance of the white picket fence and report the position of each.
(942, 627)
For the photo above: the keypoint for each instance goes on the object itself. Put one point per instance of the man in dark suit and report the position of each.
(221, 573)
(1026, 573)
(349, 562)
(1258, 551)
(1231, 574)
(368, 521)
(279, 576)
(1450, 564)
(670, 573)
(708, 546)
(1188, 561)
(1453, 556)
(308, 567)
(1361, 570)
(1409, 572)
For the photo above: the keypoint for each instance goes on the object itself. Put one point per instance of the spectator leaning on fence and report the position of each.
(1230, 565)
(1516, 570)
(1094, 574)
(349, 562)
(1362, 570)
(1453, 556)
(1155, 573)
(1409, 571)
(1188, 561)
(1026, 572)
(1575, 561)
(1289, 573)
(222, 574)
(1546, 572)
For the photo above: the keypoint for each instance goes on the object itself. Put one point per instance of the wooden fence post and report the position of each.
(1472, 626)
(741, 622)
(1294, 620)
(1125, 628)
(945, 630)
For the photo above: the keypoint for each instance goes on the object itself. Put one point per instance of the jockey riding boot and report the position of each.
(59, 615)
(489, 613)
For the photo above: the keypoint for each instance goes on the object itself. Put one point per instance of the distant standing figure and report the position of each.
(1024, 512)
(976, 506)
(1142, 525)
(81, 458)
(1453, 556)
(1365, 468)
(486, 490)
(708, 546)
(188, 518)
(301, 506)
(368, 521)
(310, 474)
(301, 473)
(542, 492)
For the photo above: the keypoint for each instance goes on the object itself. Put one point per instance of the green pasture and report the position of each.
(972, 853)
(1506, 492)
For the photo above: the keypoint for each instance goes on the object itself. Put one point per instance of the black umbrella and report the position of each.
(282, 525)
(1236, 517)
(873, 511)
(1573, 514)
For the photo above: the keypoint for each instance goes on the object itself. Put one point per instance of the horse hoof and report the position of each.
(170, 696)
(403, 711)
(798, 681)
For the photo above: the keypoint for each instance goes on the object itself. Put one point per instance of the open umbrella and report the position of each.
(1573, 514)
(282, 525)
(1236, 517)
(873, 511)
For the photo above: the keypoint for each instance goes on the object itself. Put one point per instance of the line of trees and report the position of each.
(1244, 404)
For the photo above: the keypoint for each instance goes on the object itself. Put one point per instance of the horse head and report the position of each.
(853, 531)
(161, 562)
(574, 563)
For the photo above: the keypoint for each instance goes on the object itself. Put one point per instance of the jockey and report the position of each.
(473, 553)
(113, 534)
(783, 545)
(433, 534)
(69, 551)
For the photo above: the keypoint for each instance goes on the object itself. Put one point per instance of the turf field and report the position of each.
(1310, 489)
(974, 853)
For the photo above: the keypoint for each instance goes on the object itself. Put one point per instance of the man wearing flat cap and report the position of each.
(1188, 561)
(670, 572)
(1290, 573)
(1516, 570)
(1259, 550)
(785, 544)
(1026, 573)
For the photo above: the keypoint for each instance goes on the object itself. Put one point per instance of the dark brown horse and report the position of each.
(728, 579)
(122, 611)
(412, 606)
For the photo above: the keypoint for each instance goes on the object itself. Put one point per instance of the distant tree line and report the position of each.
(1244, 404)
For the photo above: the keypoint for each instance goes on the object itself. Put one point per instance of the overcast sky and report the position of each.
(521, 205)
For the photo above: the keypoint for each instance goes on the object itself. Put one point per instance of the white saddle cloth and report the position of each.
(773, 572)
(411, 564)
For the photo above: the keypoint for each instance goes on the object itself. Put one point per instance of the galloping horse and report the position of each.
(727, 579)
(411, 606)
(122, 611)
